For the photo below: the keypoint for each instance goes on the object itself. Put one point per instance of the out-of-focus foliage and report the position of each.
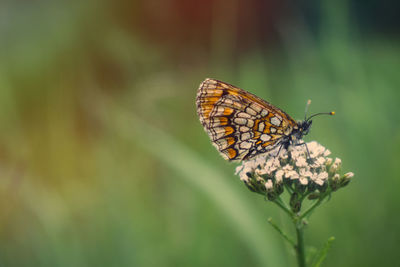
(103, 161)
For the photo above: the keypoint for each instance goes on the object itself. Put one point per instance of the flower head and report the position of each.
(307, 174)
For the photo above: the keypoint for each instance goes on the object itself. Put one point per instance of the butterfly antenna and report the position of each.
(307, 105)
(321, 113)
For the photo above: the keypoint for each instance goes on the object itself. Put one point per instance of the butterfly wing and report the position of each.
(240, 124)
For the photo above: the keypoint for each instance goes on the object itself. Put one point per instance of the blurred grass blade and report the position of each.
(249, 223)
(321, 255)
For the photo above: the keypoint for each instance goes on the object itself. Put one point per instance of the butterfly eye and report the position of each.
(306, 126)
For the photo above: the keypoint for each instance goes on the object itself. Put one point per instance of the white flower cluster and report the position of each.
(312, 170)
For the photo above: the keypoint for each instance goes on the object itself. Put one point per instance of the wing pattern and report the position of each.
(240, 124)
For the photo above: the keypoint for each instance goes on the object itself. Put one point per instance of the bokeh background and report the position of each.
(103, 161)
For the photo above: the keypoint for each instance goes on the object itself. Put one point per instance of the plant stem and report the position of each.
(320, 257)
(299, 223)
(283, 206)
(283, 234)
(310, 209)
(301, 260)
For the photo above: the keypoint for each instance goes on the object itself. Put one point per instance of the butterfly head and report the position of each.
(304, 127)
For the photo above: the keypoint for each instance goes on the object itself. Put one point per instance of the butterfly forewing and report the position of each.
(240, 124)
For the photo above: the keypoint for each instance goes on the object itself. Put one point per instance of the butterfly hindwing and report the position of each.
(240, 124)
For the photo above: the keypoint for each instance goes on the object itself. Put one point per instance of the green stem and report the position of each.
(320, 257)
(313, 206)
(283, 234)
(299, 221)
(301, 259)
(288, 188)
(303, 196)
(283, 206)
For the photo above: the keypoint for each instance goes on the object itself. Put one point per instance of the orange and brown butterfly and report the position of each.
(242, 125)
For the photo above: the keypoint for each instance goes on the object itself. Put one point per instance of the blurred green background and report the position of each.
(103, 161)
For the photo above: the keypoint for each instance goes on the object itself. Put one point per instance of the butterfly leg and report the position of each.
(308, 152)
(279, 150)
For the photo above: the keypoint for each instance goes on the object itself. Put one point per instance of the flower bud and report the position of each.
(345, 180)
(348, 175)
(250, 186)
(300, 188)
(323, 187)
(295, 203)
(335, 184)
(269, 186)
(279, 188)
(313, 196)
(271, 196)
(335, 167)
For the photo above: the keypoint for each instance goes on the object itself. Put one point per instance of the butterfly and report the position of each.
(242, 125)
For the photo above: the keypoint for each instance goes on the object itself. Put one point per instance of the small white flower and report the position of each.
(261, 172)
(319, 182)
(312, 146)
(336, 177)
(259, 160)
(239, 169)
(283, 155)
(320, 161)
(314, 176)
(272, 165)
(338, 161)
(335, 165)
(315, 149)
(293, 175)
(259, 178)
(303, 180)
(288, 171)
(301, 162)
(348, 175)
(243, 177)
(279, 176)
(323, 176)
(269, 185)
(305, 172)
(287, 168)
(243, 172)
